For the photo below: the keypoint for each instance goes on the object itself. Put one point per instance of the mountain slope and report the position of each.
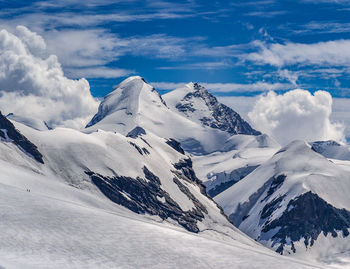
(291, 201)
(68, 219)
(142, 173)
(59, 226)
(10, 134)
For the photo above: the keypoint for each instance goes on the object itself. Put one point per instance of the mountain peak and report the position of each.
(130, 79)
(195, 102)
(127, 100)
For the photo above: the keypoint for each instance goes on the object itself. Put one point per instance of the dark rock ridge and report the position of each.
(9, 133)
(175, 145)
(306, 217)
(147, 196)
(321, 146)
(184, 170)
(142, 150)
(136, 132)
(223, 117)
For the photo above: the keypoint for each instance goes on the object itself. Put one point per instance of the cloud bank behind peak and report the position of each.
(33, 84)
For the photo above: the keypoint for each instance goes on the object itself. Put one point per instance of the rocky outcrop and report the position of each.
(145, 195)
(306, 217)
(175, 145)
(9, 133)
(222, 117)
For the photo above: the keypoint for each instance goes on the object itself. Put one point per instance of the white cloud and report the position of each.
(35, 86)
(244, 104)
(82, 48)
(336, 53)
(327, 1)
(324, 27)
(97, 72)
(167, 85)
(292, 77)
(266, 13)
(96, 47)
(199, 66)
(228, 87)
(296, 114)
(157, 45)
(34, 42)
(259, 86)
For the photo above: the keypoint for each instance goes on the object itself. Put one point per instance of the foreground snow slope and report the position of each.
(142, 173)
(292, 201)
(59, 226)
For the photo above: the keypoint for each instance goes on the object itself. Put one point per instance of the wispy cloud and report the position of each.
(266, 13)
(327, 1)
(75, 13)
(97, 72)
(95, 48)
(200, 66)
(254, 87)
(257, 87)
(315, 27)
(333, 53)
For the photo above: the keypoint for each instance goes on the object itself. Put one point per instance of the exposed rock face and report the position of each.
(332, 149)
(9, 133)
(184, 170)
(306, 218)
(175, 145)
(146, 195)
(222, 117)
(321, 146)
(136, 132)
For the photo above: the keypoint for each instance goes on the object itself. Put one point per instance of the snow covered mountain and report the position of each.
(296, 202)
(136, 103)
(137, 179)
(102, 199)
(192, 116)
(142, 173)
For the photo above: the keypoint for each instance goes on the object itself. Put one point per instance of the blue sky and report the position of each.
(235, 48)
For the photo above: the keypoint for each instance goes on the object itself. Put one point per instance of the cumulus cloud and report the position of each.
(296, 114)
(33, 84)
